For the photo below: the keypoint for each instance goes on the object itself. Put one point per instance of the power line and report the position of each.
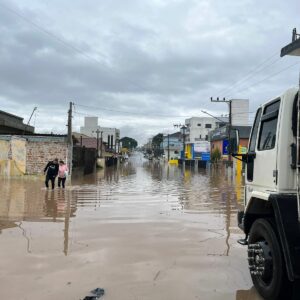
(222, 91)
(131, 112)
(251, 76)
(268, 77)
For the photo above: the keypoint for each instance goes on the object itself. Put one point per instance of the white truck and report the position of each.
(270, 218)
(271, 215)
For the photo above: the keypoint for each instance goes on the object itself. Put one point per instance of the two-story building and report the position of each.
(109, 136)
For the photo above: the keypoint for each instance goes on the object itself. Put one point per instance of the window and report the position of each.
(254, 131)
(207, 125)
(272, 107)
(200, 136)
(267, 138)
(206, 137)
(199, 124)
(268, 135)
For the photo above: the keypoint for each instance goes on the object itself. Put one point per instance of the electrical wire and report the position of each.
(131, 112)
(260, 67)
(268, 77)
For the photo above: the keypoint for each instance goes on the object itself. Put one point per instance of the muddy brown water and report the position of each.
(143, 230)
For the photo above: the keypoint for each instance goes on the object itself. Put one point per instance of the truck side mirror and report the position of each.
(234, 142)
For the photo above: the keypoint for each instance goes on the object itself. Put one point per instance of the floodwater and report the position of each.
(140, 231)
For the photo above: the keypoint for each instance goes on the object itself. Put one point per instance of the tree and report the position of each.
(128, 142)
(157, 143)
(216, 155)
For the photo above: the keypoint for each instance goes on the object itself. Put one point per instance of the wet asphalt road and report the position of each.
(144, 230)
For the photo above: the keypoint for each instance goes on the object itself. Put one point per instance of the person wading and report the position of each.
(62, 173)
(51, 171)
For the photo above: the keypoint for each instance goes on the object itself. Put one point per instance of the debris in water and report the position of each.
(96, 294)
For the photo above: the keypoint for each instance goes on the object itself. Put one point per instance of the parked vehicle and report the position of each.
(270, 219)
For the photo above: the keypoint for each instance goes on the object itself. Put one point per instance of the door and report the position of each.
(261, 166)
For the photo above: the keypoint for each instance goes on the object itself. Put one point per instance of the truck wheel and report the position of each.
(266, 262)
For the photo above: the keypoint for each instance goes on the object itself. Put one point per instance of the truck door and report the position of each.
(261, 166)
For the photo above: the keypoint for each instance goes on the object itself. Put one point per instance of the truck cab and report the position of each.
(270, 216)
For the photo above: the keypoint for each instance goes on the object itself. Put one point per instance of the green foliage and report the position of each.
(216, 155)
(157, 140)
(128, 142)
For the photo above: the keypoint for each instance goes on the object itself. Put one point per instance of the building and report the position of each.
(109, 136)
(11, 124)
(28, 155)
(198, 128)
(219, 139)
(172, 145)
(240, 112)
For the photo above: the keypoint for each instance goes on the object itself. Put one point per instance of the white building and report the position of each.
(110, 136)
(240, 112)
(198, 128)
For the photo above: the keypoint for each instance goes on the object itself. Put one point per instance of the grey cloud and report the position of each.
(154, 57)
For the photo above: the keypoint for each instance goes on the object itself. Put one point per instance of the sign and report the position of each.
(202, 146)
(243, 150)
(205, 156)
(225, 147)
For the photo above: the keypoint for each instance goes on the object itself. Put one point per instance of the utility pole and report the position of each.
(101, 143)
(230, 116)
(70, 140)
(182, 130)
(168, 147)
(70, 124)
(97, 132)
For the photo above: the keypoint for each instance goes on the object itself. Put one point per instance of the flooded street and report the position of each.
(144, 230)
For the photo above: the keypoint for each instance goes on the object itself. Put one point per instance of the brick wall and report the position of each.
(38, 153)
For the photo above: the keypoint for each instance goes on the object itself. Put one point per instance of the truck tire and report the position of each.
(266, 262)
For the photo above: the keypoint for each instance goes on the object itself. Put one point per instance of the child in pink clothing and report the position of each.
(62, 173)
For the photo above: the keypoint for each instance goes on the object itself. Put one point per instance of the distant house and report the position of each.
(198, 128)
(219, 138)
(11, 124)
(110, 136)
(172, 145)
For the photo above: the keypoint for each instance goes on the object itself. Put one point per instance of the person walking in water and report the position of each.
(62, 173)
(51, 171)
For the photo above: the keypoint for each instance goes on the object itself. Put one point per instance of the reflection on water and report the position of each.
(162, 210)
(135, 189)
(155, 184)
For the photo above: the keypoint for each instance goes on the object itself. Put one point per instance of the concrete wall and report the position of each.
(20, 156)
(40, 152)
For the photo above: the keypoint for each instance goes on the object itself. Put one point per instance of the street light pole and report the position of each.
(97, 132)
(168, 147)
(101, 143)
(205, 112)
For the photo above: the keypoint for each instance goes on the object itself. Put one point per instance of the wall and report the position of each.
(12, 156)
(39, 152)
(20, 156)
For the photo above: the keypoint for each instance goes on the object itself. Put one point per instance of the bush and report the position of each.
(216, 155)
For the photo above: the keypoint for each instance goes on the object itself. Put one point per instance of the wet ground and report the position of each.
(140, 231)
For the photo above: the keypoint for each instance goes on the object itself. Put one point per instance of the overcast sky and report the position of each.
(141, 65)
